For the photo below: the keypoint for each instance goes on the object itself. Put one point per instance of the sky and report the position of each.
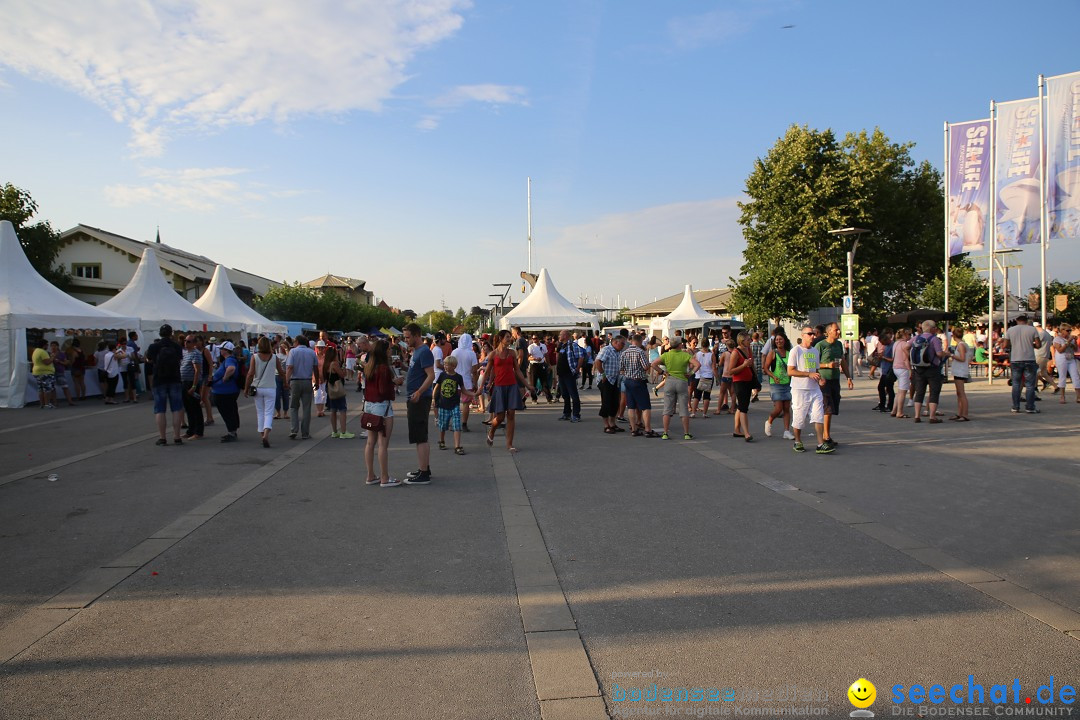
(390, 140)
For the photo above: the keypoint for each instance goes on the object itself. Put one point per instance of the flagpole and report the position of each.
(528, 203)
(993, 242)
(948, 199)
(1042, 196)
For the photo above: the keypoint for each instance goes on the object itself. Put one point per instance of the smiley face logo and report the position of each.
(862, 693)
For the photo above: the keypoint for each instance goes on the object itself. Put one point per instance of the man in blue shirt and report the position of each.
(418, 383)
(302, 377)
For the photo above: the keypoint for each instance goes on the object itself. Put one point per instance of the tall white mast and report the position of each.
(529, 203)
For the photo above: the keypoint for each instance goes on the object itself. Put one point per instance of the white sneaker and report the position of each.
(910, 403)
(768, 428)
(788, 435)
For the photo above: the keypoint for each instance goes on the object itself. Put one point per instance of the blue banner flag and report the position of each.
(969, 186)
(1017, 143)
(1063, 156)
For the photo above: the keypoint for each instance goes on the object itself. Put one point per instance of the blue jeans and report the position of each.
(571, 399)
(1024, 371)
(281, 404)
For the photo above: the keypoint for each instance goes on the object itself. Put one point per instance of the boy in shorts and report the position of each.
(449, 387)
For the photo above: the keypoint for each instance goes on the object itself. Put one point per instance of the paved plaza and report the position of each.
(233, 581)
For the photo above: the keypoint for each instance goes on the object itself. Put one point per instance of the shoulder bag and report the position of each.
(253, 390)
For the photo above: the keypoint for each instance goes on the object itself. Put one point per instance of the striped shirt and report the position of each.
(632, 363)
(609, 360)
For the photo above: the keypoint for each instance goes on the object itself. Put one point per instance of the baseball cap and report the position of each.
(227, 346)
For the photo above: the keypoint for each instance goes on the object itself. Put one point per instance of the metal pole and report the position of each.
(1042, 196)
(528, 193)
(993, 241)
(851, 294)
(947, 199)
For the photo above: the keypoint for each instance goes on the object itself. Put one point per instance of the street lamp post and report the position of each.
(850, 283)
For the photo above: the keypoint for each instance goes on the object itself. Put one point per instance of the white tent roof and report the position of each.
(28, 300)
(149, 297)
(221, 300)
(688, 314)
(545, 307)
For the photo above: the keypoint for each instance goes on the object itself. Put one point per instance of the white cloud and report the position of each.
(199, 189)
(490, 94)
(165, 67)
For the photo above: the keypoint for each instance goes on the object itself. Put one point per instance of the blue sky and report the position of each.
(391, 140)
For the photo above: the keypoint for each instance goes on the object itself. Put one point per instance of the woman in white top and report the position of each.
(705, 378)
(112, 373)
(466, 360)
(961, 356)
(263, 371)
(1065, 360)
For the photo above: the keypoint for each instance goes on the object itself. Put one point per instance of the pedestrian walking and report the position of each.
(807, 402)
(607, 369)
(418, 386)
(1065, 360)
(191, 381)
(1022, 340)
(225, 388)
(886, 385)
(507, 387)
(380, 389)
(450, 394)
(567, 368)
(740, 367)
(302, 376)
(775, 366)
(263, 372)
(927, 356)
(677, 363)
(466, 359)
(961, 356)
(165, 354)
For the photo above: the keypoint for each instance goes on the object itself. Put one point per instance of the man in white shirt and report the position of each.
(806, 398)
(873, 344)
(538, 369)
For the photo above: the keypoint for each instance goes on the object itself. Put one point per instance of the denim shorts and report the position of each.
(780, 393)
(171, 391)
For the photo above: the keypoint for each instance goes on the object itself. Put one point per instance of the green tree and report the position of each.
(39, 241)
(968, 293)
(1071, 313)
(329, 311)
(808, 184)
(460, 316)
(438, 320)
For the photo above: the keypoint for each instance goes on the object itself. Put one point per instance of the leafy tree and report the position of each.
(1071, 313)
(968, 293)
(438, 320)
(808, 184)
(39, 241)
(460, 316)
(329, 311)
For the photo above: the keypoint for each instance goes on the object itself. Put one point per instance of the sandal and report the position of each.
(162, 441)
(636, 433)
(609, 431)
(749, 438)
(490, 439)
(442, 444)
(371, 481)
(901, 417)
(459, 451)
(512, 449)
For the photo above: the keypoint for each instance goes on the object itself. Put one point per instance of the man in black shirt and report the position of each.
(165, 354)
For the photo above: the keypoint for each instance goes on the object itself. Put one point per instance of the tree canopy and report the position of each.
(1071, 313)
(810, 183)
(329, 311)
(39, 241)
(968, 293)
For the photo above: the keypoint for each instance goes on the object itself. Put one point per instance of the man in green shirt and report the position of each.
(831, 352)
(675, 362)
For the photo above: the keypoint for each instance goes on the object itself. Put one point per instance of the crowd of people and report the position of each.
(496, 376)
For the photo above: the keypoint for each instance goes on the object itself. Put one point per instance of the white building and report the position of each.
(102, 263)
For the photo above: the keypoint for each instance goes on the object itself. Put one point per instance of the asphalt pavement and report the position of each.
(235, 581)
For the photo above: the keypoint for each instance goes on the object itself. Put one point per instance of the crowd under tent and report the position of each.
(30, 302)
(688, 315)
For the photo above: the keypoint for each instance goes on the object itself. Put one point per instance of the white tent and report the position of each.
(149, 297)
(220, 299)
(28, 300)
(546, 309)
(688, 315)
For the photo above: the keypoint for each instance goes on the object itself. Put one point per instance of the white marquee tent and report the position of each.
(149, 298)
(546, 309)
(27, 301)
(220, 299)
(688, 315)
